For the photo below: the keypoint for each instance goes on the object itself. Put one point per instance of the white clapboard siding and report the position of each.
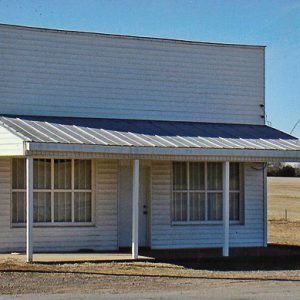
(10, 143)
(164, 235)
(46, 72)
(102, 236)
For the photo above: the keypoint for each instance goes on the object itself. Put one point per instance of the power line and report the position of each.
(295, 126)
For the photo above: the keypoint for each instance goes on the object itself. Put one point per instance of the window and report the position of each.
(62, 191)
(42, 190)
(18, 191)
(198, 192)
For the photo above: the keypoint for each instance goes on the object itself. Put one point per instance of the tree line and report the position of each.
(283, 171)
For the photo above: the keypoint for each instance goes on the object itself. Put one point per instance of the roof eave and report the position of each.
(244, 154)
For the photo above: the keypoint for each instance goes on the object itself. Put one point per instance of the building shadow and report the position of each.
(275, 257)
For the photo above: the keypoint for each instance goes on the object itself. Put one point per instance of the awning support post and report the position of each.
(265, 207)
(29, 206)
(135, 209)
(226, 208)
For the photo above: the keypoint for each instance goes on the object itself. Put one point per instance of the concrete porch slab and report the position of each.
(74, 257)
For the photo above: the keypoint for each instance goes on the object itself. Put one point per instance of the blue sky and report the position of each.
(275, 24)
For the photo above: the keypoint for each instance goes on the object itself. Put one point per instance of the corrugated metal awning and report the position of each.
(145, 133)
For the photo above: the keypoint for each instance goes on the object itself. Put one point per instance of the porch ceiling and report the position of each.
(130, 134)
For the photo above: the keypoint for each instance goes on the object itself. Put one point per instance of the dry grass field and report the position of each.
(284, 196)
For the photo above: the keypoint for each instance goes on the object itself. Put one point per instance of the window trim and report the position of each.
(92, 223)
(241, 220)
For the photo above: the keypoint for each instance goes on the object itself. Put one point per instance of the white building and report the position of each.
(132, 141)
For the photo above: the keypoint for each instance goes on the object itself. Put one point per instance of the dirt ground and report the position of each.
(139, 278)
(83, 286)
(260, 278)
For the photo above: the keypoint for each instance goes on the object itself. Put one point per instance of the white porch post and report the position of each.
(29, 205)
(135, 209)
(226, 208)
(265, 207)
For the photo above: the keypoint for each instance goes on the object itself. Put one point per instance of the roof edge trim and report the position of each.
(287, 154)
(134, 37)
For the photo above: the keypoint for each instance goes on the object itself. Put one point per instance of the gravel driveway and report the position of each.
(150, 281)
(81, 286)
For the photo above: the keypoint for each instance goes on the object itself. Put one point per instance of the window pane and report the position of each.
(180, 206)
(41, 173)
(62, 207)
(234, 206)
(196, 176)
(215, 206)
(18, 173)
(41, 207)
(18, 207)
(82, 207)
(234, 176)
(214, 176)
(197, 206)
(82, 174)
(62, 173)
(179, 176)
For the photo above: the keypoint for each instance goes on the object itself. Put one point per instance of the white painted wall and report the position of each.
(56, 73)
(102, 236)
(10, 143)
(164, 235)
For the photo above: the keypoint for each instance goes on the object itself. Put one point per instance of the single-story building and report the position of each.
(114, 141)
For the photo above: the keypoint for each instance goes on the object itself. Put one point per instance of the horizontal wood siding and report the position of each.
(73, 74)
(102, 236)
(10, 143)
(164, 235)
(107, 204)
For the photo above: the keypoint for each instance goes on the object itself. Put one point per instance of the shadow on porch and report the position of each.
(273, 257)
(273, 250)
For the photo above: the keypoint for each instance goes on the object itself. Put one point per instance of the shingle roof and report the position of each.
(145, 133)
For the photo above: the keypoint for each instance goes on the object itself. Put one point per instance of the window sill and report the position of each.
(203, 223)
(52, 225)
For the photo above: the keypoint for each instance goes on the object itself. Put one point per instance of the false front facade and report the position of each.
(117, 141)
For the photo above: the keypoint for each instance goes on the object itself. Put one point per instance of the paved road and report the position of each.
(223, 290)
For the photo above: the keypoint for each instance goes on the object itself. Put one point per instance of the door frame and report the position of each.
(147, 165)
(148, 203)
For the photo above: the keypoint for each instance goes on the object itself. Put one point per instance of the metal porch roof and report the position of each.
(145, 133)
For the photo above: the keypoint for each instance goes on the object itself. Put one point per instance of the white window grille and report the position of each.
(62, 191)
(198, 194)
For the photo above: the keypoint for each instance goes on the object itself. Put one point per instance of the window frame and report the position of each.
(241, 220)
(52, 190)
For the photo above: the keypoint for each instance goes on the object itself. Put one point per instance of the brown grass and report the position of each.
(149, 269)
(284, 194)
